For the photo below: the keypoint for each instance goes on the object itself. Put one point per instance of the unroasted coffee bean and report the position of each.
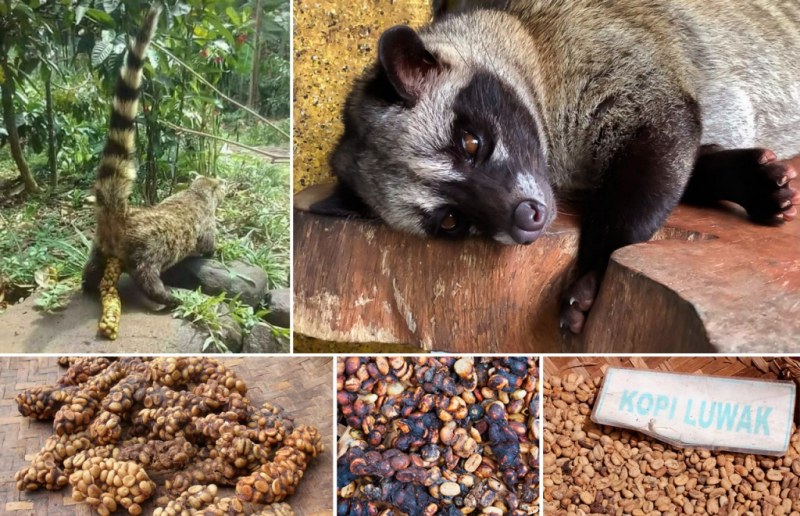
(602, 470)
(106, 428)
(160, 455)
(43, 472)
(276, 480)
(276, 509)
(208, 471)
(106, 483)
(194, 499)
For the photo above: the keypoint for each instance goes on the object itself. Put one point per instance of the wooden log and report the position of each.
(710, 281)
(738, 292)
(358, 281)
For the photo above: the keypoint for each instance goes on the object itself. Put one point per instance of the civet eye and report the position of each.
(470, 143)
(449, 221)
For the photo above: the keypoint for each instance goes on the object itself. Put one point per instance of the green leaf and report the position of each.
(272, 27)
(222, 29)
(23, 100)
(100, 16)
(200, 31)
(100, 52)
(84, 240)
(24, 10)
(233, 15)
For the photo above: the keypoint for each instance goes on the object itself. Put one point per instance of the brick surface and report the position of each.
(301, 385)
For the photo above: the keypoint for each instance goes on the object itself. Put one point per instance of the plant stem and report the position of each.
(255, 65)
(273, 157)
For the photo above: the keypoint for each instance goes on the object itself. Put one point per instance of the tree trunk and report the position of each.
(51, 132)
(252, 100)
(10, 118)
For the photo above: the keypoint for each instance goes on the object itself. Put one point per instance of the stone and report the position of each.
(262, 340)
(230, 335)
(194, 335)
(213, 277)
(279, 303)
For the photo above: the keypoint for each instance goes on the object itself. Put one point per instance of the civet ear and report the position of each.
(407, 63)
(338, 200)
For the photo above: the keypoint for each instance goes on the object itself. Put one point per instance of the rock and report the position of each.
(262, 340)
(236, 278)
(194, 336)
(230, 334)
(191, 337)
(279, 302)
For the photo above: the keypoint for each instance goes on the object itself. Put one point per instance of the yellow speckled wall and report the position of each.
(333, 42)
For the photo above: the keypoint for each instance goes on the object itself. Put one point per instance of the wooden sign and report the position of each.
(735, 414)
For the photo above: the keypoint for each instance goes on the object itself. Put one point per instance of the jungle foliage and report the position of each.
(58, 63)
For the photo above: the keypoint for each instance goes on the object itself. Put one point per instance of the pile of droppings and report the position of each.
(446, 436)
(121, 425)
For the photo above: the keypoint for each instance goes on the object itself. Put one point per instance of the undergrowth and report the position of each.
(45, 239)
(210, 312)
(254, 219)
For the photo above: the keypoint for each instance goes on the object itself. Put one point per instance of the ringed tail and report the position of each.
(117, 171)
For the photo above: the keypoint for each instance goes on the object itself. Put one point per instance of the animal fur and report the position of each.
(146, 240)
(625, 106)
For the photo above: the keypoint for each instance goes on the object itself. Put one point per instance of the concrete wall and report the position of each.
(334, 40)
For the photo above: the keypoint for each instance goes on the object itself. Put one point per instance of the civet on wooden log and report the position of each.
(709, 282)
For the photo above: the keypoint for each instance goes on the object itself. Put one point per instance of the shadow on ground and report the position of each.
(143, 329)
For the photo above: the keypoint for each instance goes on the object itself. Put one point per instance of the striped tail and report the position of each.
(117, 172)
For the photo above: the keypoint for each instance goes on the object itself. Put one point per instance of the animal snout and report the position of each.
(528, 221)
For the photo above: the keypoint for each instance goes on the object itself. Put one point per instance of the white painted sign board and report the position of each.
(735, 414)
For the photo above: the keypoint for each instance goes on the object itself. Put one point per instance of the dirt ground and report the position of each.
(143, 330)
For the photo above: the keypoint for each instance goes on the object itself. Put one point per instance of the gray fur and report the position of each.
(591, 73)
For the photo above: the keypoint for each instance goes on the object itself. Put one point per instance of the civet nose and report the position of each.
(528, 221)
